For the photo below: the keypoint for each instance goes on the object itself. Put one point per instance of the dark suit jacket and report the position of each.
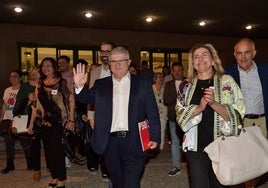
(142, 105)
(170, 99)
(263, 73)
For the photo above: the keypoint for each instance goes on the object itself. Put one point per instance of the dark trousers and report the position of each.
(25, 142)
(94, 159)
(41, 134)
(201, 172)
(55, 153)
(124, 168)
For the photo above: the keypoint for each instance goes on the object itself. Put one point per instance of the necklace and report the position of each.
(51, 81)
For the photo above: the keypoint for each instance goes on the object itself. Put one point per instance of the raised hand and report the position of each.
(80, 75)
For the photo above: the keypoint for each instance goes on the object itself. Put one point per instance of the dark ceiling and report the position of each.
(225, 17)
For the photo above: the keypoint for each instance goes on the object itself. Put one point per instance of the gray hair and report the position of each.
(120, 51)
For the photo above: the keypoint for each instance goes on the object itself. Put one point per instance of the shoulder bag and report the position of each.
(19, 124)
(236, 159)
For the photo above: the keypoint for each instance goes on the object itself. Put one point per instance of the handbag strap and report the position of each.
(242, 130)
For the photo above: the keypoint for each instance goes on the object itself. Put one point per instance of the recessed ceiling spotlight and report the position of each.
(88, 14)
(248, 27)
(149, 19)
(18, 9)
(202, 23)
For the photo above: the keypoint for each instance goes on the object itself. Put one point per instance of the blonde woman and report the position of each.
(208, 106)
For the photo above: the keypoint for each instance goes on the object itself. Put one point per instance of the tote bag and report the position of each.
(19, 124)
(236, 159)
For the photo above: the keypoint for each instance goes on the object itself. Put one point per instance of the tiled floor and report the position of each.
(155, 175)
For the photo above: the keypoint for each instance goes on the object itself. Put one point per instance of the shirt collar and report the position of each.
(104, 68)
(123, 80)
(252, 70)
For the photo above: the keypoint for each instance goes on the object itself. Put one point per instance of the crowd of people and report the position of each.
(103, 108)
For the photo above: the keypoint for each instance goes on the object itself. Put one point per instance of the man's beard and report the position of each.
(105, 59)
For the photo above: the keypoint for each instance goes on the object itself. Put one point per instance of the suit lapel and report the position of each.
(132, 93)
(110, 98)
(107, 100)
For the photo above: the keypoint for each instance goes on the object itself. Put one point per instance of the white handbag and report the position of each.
(19, 124)
(237, 159)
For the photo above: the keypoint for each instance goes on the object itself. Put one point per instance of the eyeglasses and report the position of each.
(201, 56)
(120, 61)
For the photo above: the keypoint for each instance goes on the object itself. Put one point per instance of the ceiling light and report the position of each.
(248, 27)
(18, 9)
(149, 19)
(202, 23)
(88, 14)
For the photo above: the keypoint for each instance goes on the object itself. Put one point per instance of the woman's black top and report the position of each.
(206, 126)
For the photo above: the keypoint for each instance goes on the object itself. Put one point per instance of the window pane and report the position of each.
(173, 58)
(158, 62)
(27, 59)
(45, 52)
(184, 60)
(68, 53)
(144, 56)
(86, 55)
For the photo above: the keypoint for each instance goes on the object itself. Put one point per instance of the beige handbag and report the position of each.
(19, 124)
(236, 159)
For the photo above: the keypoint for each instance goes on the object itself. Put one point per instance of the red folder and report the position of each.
(144, 134)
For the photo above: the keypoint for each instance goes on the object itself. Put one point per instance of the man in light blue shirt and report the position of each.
(252, 79)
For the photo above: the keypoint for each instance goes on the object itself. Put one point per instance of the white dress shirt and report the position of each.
(104, 73)
(121, 90)
(177, 84)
